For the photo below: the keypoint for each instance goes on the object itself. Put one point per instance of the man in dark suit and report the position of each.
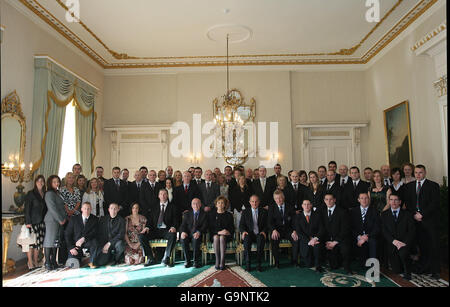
(99, 173)
(81, 233)
(194, 225)
(277, 171)
(144, 173)
(253, 226)
(281, 227)
(209, 191)
(110, 237)
(354, 187)
(322, 173)
(149, 194)
(184, 194)
(333, 187)
(423, 202)
(386, 172)
(336, 233)
(332, 166)
(249, 177)
(198, 172)
(134, 188)
(365, 227)
(162, 223)
(263, 188)
(398, 230)
(344, 178)
(309, 228)
(295, 192)
(115, 191)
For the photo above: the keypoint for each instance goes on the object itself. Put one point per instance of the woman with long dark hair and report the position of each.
(35, 210)
(54, 219)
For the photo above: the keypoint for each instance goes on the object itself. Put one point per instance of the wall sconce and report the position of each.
(18, 174)
(195, 158)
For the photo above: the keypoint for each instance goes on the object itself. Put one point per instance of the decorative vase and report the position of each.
(19, 198)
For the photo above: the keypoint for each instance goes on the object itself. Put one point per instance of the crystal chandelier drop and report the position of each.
(229, 129)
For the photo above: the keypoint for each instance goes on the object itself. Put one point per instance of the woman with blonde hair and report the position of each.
(221, 229)
(94, 196)
(177, 178)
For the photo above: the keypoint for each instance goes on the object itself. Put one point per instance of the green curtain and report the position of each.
(54, 88)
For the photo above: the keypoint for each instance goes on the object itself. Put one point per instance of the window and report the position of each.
(68, 151)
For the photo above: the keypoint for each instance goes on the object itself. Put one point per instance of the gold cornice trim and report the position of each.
(375, 49)
(429, 36)
(87, 50)
(124, 56)
(368, 55)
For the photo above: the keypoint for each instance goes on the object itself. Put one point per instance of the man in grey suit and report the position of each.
(209, 191)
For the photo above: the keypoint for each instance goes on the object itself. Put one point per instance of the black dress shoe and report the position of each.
(348, 272)
(407, 276)
(217, 268)
(247, 268)
(277, 265)
(223, 268)
(259, 268)
(187, 264)
(165, 262)
(197, 265)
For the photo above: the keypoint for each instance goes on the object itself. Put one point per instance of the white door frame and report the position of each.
(330, 131)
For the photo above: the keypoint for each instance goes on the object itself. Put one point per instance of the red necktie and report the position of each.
(185, 189)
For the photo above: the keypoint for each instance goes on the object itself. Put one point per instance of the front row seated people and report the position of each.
(253, 228)
(162, 223)
(194, 225)
(81, 233)
(221, 229)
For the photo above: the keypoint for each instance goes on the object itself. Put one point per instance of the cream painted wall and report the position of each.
(179, 96)
(22, 39)
(398, 76)
(337, 96)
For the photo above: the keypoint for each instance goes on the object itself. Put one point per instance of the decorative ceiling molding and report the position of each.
(429, 36)
(240, 60)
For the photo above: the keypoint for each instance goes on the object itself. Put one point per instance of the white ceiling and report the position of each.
(281, 30)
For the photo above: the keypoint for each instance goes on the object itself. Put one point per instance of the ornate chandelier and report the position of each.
(230, 126)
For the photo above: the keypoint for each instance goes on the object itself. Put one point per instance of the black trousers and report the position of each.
(284, 235)
(340, 253)
(249, 240)
(399, 258)
(195, 247)
(427, 236)
(158, 233)
(91, 245)
(310, 254)
(367, 250)
(115, 251)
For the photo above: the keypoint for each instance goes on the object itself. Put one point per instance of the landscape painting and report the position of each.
(398, 135)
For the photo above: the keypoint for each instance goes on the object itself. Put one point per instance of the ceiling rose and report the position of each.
(237, 33)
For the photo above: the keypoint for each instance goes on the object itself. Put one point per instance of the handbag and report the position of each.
(26, 238)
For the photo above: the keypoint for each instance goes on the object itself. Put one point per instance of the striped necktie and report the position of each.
(419, 186)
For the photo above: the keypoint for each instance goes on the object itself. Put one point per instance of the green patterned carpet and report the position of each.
(160, 276)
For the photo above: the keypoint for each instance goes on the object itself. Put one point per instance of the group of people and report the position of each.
(327, 216)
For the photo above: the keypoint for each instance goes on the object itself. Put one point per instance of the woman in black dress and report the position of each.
(315, 191)
(397, 186)
(221, 229)
(240, 195)
(35, 210)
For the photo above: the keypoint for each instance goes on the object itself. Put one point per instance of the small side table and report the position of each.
(9, 219)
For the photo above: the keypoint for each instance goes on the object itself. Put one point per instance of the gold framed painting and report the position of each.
(398, 134)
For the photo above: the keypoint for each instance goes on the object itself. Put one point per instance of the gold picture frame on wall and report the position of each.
(398, 134)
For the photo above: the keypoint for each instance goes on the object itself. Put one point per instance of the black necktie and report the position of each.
(295, 187)
(282, 214)
(354, 185)
(328, 186)
(419, 186)
(395, 215)
(386, 182)
(329, 214)
(117, 184)
(194, 226)
(208, 186)
(161, 215)
(343, 182)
